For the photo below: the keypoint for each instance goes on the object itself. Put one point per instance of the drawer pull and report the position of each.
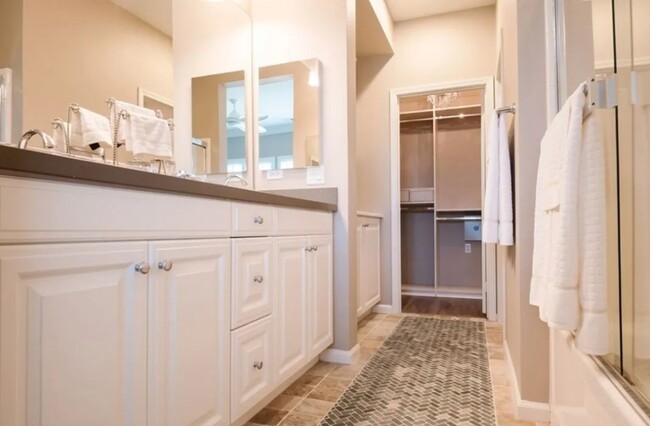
(310, 248)
(258, 220)
(258, 279)
(166, 265)
(258, 365)
(143, 268)
(315, 248)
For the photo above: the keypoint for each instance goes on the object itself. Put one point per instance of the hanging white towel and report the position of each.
(569, 256)
(148, 137)
(129, 108)
(58, 133)
(89, 128)
(497, 208)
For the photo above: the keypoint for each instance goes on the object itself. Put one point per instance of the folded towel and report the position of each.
(148, 137)
(58, 133)
(131, 109)
(90, 129)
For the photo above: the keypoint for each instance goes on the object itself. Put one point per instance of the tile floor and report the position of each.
(307, 401)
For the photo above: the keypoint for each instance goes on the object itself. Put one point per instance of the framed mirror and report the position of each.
(219, 123)
(289, 116)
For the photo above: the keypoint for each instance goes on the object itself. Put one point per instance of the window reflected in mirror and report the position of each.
(289, 116)
(219, 123)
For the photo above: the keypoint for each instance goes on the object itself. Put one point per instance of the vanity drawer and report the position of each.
(249, 220)
(252, 366)
(252, 280)
(302, 222)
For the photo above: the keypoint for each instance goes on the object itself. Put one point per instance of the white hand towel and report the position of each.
(148, 137)
(497, 208)
(123, 136)
(58, 133)
(505, 186)
(491, 201)
(90, 128)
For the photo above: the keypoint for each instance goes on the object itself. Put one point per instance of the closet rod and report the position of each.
(416, 119)
(458, 218)
(512, 109)
(418, 209)
(444, 117)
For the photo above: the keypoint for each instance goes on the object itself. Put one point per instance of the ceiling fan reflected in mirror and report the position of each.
(236, 120)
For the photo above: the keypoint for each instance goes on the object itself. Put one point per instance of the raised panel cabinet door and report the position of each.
(321, 305)
(252, 280)
(253, 369)
(291, 305)
(371, 267)
(189, 333)
(360, 270)
(73, 335)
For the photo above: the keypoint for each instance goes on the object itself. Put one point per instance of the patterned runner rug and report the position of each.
(428, 372)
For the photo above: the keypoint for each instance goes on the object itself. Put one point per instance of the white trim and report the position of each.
(622, 63)
(486, 83)
(524, 409)
(368, 214)
(340, 356)
(142, 92)
(383, 309)
(6, 105)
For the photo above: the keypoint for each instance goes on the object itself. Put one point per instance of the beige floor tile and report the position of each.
(322, 368)
(348, 371)
(370, 344)
(309, 379)
(313, 407)
(296, 419)
(298, 389)
(330, 389)
(284, 402)
(269, 416)
(507, 419)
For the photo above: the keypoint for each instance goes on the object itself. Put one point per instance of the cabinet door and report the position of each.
(291, 305)
(371, 267)
(189, 332)
(321, 289)
(73, 335)
(360, 270)
(252, 280)
(253, 367)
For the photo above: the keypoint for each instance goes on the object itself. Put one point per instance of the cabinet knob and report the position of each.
(258, 364)
(143, 268)
(259, 220)
(166, 265)
(314, 248)
(309, 248)
(258, 279)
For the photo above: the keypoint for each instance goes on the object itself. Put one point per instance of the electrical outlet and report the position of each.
(468, 248)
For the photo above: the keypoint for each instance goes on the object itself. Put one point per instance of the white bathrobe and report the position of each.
(497, 205)
(569, 257)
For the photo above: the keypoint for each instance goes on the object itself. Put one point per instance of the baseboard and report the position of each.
(383, 309)
(524, 409)
(340, 356)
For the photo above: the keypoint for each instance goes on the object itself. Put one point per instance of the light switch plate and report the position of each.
(468, 248)
(274, 174)
(315, 175)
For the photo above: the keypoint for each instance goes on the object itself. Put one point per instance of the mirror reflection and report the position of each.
(289, 115)
(219, 123)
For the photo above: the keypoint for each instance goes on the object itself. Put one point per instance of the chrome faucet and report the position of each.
(48, 142)
(230, 178)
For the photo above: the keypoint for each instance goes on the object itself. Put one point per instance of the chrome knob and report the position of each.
(143, 268)
(258, 364)
(310, 248)
(314, 248)
(258, 279)
(258, 220)
(166, 265)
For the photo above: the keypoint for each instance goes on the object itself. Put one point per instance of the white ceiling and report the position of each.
(402, 10)
(157, 13)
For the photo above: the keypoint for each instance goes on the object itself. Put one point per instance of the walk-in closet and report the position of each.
(441, 186)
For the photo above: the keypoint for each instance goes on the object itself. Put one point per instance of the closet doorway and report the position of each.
(437, 178)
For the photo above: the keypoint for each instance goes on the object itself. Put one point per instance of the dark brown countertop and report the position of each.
(37, 165)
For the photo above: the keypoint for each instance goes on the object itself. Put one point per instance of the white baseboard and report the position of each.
(524, 409)
(383, 309)
(340, 356)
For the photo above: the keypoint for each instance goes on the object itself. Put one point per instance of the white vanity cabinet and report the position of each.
(96, 334)
(368, 258)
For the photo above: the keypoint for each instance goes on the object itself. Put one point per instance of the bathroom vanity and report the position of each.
(133, 298)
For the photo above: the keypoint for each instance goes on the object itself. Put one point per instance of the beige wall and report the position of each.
(86, 51)
(454, 46)
(11, 39)
(524, 82)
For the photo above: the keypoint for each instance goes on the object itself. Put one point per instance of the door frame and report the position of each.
(489, 255)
